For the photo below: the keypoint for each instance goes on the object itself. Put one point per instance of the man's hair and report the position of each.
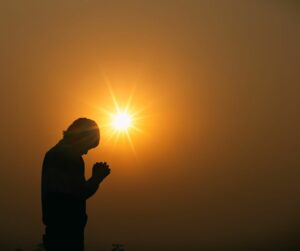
(83, 129)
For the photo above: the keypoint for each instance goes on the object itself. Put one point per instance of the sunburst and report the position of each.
(122, 122)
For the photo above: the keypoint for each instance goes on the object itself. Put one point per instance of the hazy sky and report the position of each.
(218, 163)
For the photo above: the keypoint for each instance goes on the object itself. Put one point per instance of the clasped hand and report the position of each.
(100, 170)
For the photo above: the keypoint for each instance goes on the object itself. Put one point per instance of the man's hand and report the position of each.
(100, 170)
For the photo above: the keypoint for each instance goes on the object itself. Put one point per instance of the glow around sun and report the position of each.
(121, 122)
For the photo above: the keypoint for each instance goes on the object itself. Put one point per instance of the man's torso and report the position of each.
(62, 177)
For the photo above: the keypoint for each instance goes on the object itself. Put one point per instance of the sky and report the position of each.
(215, 165)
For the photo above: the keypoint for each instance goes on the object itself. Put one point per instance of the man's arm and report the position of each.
(100, 171)
(88, 188)
(59, 179)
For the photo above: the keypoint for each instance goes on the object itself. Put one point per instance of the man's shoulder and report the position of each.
(55, 155)
(53, 152)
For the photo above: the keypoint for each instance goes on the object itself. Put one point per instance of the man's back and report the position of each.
(65, 189)
(62, 177)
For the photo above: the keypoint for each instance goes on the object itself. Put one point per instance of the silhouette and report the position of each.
(39, 247)
(65, 189)
(117, 247)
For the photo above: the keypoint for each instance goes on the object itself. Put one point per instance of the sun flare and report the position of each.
(121, 121)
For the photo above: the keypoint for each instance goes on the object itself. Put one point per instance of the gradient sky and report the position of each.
(218, 163)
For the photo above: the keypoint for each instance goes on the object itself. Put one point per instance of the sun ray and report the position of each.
(110, 137)
(105, 111)
(112, 95)
(131, 143)
(137, 129)
(121, 123)
(117, 136)
(130, 99)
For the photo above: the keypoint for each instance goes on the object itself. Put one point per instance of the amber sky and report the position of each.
(218, 165)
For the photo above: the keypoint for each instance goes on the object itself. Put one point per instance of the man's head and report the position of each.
(83, 134)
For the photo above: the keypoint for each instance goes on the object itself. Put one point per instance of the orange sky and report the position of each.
(218, 164)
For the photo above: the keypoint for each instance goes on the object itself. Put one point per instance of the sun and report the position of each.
(121, 121)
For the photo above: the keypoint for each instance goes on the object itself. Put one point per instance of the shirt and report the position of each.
(64, 188)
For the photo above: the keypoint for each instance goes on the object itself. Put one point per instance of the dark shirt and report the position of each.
(64, 188)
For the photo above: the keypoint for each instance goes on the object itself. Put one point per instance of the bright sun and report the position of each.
(121, 121)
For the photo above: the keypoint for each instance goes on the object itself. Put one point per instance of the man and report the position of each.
(64, 188)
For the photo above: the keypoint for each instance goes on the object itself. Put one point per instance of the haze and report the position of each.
(218, 165)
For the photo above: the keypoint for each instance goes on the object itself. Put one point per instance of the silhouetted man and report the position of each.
(64, 188)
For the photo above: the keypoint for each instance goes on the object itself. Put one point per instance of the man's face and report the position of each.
(84, 148)
(86, 142)
(85, 151)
